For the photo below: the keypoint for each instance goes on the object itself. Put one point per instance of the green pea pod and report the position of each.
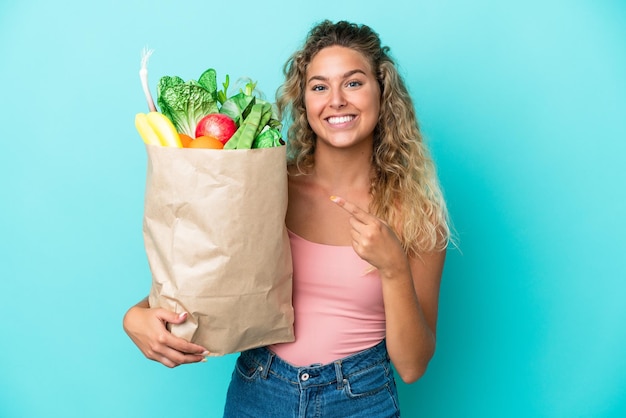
(250, 126)
(243, 137)
(265, 118)
(234, 140)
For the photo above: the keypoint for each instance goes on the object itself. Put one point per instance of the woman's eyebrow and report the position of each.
(345, 75)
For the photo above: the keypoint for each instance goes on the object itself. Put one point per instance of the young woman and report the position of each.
(369, 230)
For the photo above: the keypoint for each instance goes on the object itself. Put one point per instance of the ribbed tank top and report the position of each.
(338, 304)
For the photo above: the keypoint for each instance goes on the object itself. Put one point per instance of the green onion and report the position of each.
(143, 75)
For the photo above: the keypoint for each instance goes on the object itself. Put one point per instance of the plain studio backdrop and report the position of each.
(523, 104)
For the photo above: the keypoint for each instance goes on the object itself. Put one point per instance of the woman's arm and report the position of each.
(410, 291)
(147, 328)
(411, 295)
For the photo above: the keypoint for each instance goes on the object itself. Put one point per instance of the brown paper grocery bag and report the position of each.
(217, 245)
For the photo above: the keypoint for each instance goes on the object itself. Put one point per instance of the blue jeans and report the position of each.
(265, 386)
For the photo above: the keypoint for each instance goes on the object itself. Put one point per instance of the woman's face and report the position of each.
(342, 97)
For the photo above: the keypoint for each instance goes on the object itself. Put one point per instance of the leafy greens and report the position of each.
(185, 103)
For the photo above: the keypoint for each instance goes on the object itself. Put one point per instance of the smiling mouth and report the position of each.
(336, 120)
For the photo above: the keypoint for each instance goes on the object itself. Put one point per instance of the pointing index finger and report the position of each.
(349, 207)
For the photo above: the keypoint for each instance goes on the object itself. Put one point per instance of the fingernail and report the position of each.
(182, 315)
(334, 198)
(204, 360)
(206, 353)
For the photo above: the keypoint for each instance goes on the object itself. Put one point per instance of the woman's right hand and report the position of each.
(147, 328)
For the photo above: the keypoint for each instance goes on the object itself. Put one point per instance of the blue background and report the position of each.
(523, 104)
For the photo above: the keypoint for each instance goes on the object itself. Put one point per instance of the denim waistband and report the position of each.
(317, 374)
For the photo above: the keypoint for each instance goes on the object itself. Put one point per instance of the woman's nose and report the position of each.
(337, 99)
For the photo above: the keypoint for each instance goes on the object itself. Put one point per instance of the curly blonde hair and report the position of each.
(405, 190)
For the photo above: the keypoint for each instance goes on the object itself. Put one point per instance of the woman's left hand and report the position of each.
(372, 239)
(410, 290)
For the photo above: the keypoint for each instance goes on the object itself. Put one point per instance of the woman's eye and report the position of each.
(354, 83)
(318, 87)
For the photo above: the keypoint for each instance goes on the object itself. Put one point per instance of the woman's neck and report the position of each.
(342, 171)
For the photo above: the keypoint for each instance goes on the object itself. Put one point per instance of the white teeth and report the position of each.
(339, 119)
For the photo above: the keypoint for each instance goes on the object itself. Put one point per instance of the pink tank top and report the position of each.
(338, 304)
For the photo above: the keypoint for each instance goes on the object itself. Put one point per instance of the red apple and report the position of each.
(217, 125)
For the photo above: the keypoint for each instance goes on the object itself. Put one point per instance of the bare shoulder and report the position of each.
(312, 215)
(301, 194)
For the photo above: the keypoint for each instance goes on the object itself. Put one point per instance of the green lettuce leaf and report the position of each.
(185, 103)
(238, 107)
